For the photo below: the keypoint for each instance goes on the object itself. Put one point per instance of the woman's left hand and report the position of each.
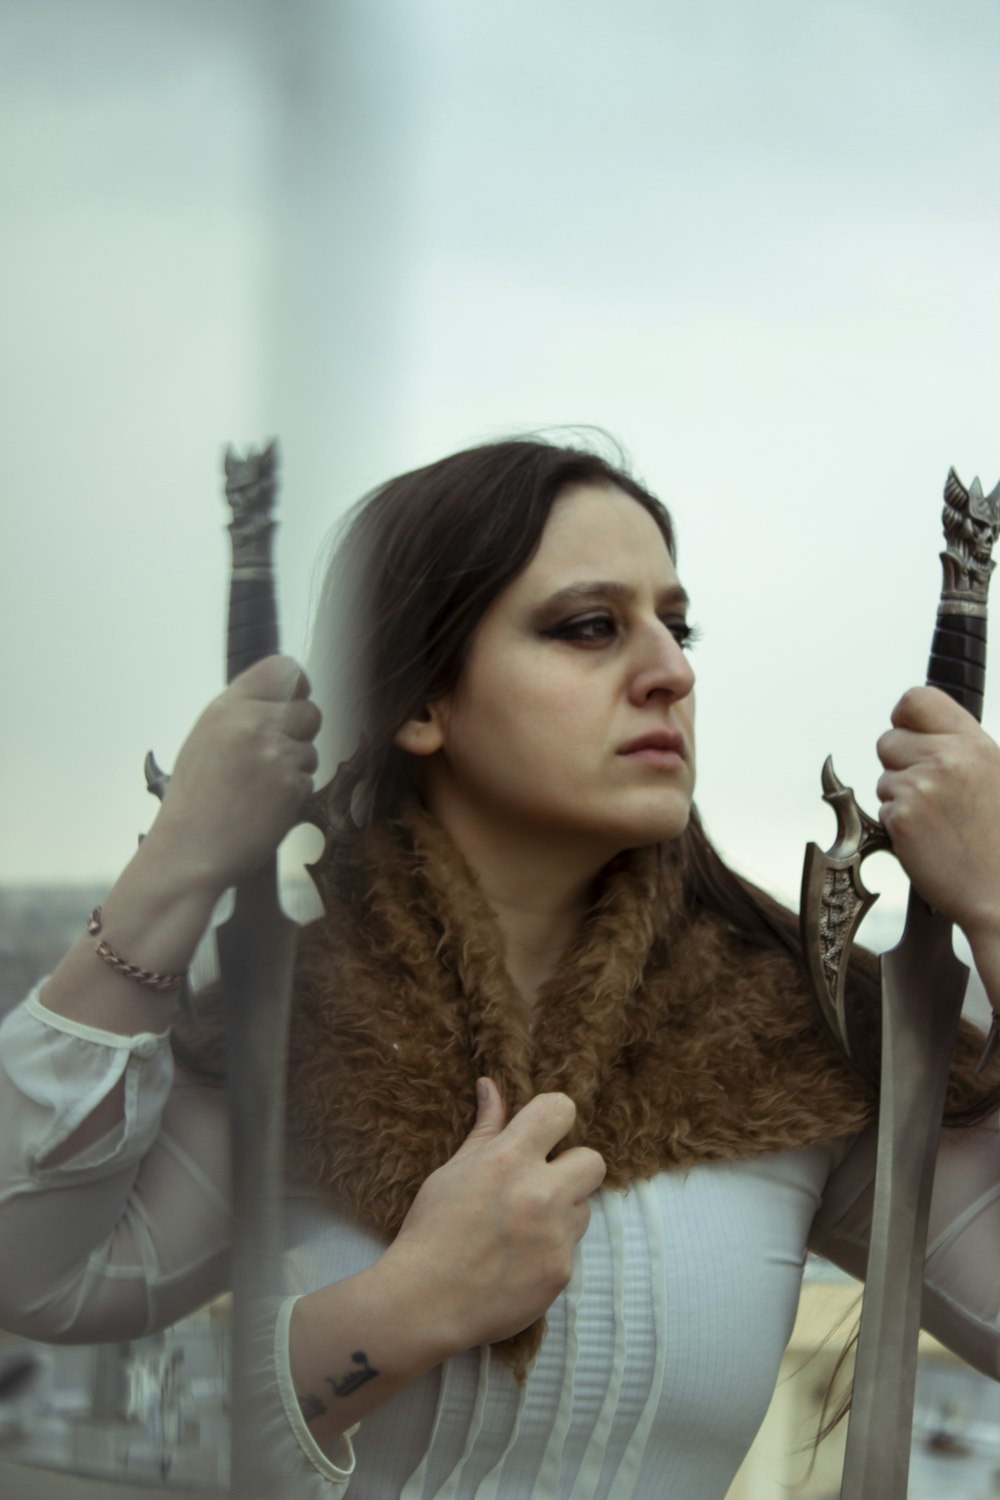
(940, 796)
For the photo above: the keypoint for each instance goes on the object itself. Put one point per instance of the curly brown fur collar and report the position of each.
(678, 1041)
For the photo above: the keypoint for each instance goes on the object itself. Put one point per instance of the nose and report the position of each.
(661, 666)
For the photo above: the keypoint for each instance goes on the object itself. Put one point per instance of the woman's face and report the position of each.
(577, 660)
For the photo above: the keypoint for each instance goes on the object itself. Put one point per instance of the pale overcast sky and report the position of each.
(756, 242)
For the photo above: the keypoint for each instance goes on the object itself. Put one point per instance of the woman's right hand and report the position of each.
(488, 1243)
(241, 777)
(485, 1249)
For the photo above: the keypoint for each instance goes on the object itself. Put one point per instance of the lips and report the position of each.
(657, 739)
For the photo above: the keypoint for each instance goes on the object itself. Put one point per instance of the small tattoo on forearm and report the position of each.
(348, 1384)
(311, 1407)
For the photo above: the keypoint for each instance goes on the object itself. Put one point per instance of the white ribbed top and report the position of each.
(660, 1358)
(658, 1365)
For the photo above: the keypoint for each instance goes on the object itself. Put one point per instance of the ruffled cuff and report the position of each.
(339, 1472)
(60, 1070)
(272, 1444)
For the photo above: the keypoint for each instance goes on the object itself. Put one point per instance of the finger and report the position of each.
(307, 759)
(305, 786)
(906, 801)
(930, 711)
(542, 1123)
(301, 687)
(300, 759)
(275, 679)
(491, 1116)
(893, 789)
(582, 1169)
(885, 787)
(301, 719)
(899, 749)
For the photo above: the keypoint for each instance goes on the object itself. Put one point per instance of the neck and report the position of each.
(538, 888)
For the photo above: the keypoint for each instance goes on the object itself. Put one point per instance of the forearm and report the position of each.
(154, 916)
(356, 1343)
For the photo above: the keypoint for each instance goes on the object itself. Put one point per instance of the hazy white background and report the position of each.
(757, 240)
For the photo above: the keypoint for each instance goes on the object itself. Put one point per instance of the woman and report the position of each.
(535, 987)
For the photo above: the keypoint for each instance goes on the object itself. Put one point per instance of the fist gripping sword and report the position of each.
(923, 987)
(256, 950)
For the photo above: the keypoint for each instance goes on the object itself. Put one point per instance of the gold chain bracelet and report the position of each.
(147, 977)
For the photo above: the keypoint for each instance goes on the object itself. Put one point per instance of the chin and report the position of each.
(658, 826)
(670, 821)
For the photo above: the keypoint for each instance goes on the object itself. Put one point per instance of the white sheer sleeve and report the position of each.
(134, 1231)
(961, 1283)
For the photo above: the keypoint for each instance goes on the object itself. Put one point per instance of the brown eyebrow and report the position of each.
(600, 590)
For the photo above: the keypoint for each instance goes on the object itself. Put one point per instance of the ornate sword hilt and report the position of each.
(834, 897)
(252, 628)
(253, 613)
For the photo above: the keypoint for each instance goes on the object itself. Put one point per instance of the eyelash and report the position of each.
(684, 634)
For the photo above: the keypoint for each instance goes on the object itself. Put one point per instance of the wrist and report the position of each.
(180, 863)
(157, 911)
(417, 1309)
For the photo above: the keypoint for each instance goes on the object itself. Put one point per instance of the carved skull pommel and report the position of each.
(971, 525)
(250, 487)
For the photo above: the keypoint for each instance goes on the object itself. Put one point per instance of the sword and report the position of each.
(256, 953)
(256, 950)
(923, 987)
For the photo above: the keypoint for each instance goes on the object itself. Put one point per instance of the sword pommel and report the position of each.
(971, 522)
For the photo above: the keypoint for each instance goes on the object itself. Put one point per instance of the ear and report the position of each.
(423, 734)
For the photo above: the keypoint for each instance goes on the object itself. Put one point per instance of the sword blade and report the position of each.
(256, 948)
(923, 987)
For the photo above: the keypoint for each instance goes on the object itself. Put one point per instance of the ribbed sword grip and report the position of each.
(957, 662)
(253, 624)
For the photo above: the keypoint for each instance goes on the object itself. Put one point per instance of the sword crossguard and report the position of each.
(314, 811)
(157, 779)
(835, 899)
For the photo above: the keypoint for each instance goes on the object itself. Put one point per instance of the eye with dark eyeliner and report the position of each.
(598, 628)
(684, 634)
(584, 628)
